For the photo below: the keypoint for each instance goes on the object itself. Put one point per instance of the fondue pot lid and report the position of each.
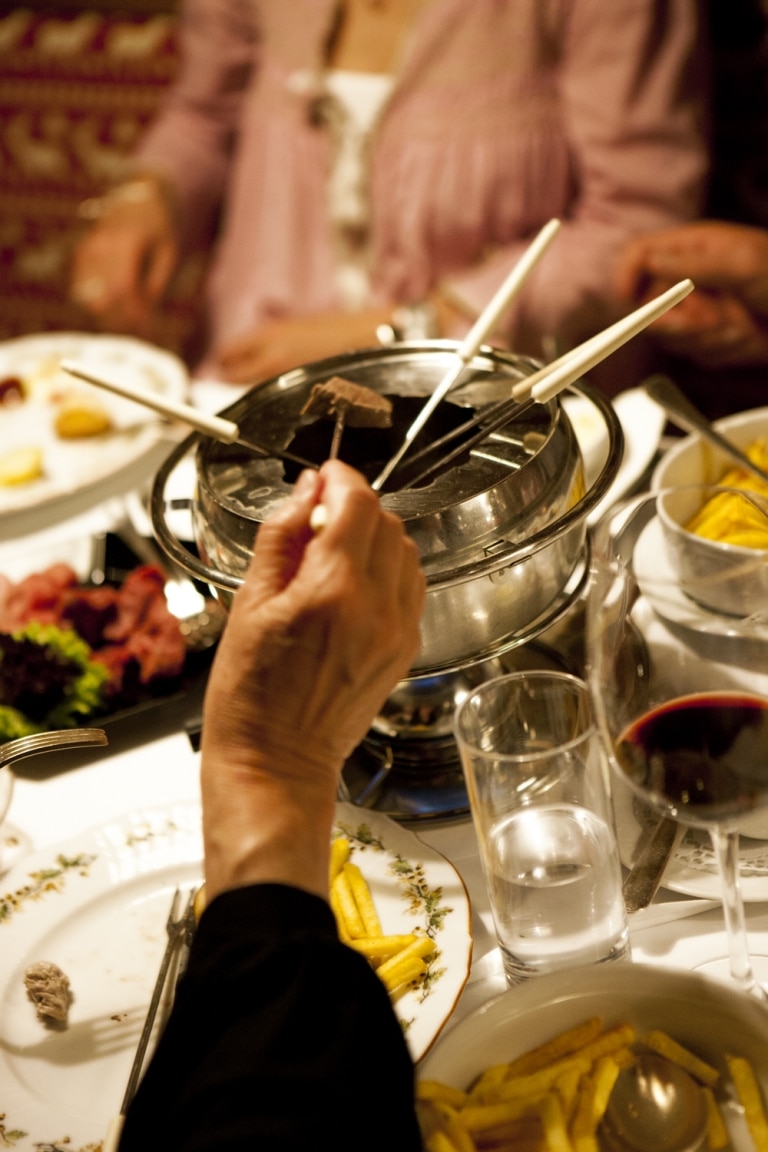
(469, 501)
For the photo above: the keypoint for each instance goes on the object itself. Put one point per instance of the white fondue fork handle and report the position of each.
(474, 338)
(216, 426)
(551, 380)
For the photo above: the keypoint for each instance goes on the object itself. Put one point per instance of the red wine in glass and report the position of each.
(705, 756)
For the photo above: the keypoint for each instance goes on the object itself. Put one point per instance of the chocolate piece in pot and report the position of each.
(348, 404)
(48, 987)
(361, 407)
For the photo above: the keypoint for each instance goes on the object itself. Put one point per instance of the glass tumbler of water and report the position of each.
(537, 779)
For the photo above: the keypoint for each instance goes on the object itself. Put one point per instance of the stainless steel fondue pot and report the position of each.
(501, 530)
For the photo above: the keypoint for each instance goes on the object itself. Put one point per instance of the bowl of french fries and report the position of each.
(534, 1068)
(718, 540)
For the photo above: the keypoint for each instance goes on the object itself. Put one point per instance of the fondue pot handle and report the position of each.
(174, 548)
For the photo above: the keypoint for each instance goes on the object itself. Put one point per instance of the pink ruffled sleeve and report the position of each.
(191, 140)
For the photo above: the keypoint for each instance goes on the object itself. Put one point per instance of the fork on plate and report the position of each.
(179, 929)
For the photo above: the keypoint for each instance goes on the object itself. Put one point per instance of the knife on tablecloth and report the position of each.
(644, 877)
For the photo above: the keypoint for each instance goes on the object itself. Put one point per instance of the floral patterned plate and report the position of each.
(97, 906)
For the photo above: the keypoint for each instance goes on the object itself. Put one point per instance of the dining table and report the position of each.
(151, 763)
(60, 794)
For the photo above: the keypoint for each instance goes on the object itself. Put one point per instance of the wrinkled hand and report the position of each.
(323, 627)
(319, 634)
(281, 345)
(724, 322)
(122, 266)
(713, 329)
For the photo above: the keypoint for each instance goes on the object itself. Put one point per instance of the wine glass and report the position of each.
(677, 655)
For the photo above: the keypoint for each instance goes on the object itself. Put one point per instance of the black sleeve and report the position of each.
(280, 1038)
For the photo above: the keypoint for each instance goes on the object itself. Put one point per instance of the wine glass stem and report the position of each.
(726, 846)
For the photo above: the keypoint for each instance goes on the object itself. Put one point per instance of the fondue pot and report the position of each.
(501, 530)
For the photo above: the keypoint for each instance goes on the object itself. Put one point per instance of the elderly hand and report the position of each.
(280, 345)
(319, 634)
(725, 321)
(122, 266)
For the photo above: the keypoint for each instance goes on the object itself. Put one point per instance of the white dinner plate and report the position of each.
(693, 868)
(642, 422)
(73, 467)
(97, 907)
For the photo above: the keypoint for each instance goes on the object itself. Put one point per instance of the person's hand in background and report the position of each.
(123, 263)
(724, 322)
(281, 345)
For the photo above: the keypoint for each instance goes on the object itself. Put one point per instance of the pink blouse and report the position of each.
(504, 114)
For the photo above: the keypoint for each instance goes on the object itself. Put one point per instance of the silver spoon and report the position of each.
(655, 1106)
(683, 413)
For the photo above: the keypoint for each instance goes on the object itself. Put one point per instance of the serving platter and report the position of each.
(96, 905)
(81, 466)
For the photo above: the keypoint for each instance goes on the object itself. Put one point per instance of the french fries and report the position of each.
(398, 960)
(750, 1097)
(730, 519)
(554, 1097)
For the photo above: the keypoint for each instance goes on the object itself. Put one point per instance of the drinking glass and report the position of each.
(536, 775)
(677, 663)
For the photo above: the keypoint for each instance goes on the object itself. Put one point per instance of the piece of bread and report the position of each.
(79, 417)
(20, 466)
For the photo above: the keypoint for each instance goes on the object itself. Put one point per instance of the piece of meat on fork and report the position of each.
(348, 405)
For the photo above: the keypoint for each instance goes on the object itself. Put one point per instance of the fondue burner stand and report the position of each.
(501, 527)
(408, 766)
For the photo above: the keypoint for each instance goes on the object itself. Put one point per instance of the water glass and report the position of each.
(538, 785)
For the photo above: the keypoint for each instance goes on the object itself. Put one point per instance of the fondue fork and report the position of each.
(487, 422)
(548, 382)
(217, 427)
(472, 341)
(554, 378)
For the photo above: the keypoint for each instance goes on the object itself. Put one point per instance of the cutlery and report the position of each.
(644, 877)
(217, 427)
(13, 750)
(655, 1106)
(683, 413)
(549, 381)
(472, 341)
(175, 929)
(667, 911)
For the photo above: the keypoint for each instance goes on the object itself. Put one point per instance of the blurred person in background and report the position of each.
(376, 167)
(715, 343)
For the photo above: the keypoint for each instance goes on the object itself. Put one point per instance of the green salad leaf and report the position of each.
(48, 679)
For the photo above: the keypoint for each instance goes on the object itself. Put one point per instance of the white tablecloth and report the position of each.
(58, 795)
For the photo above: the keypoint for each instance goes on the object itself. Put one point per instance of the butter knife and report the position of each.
(644, 877)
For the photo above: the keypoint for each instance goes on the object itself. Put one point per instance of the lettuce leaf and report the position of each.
(80, 696)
